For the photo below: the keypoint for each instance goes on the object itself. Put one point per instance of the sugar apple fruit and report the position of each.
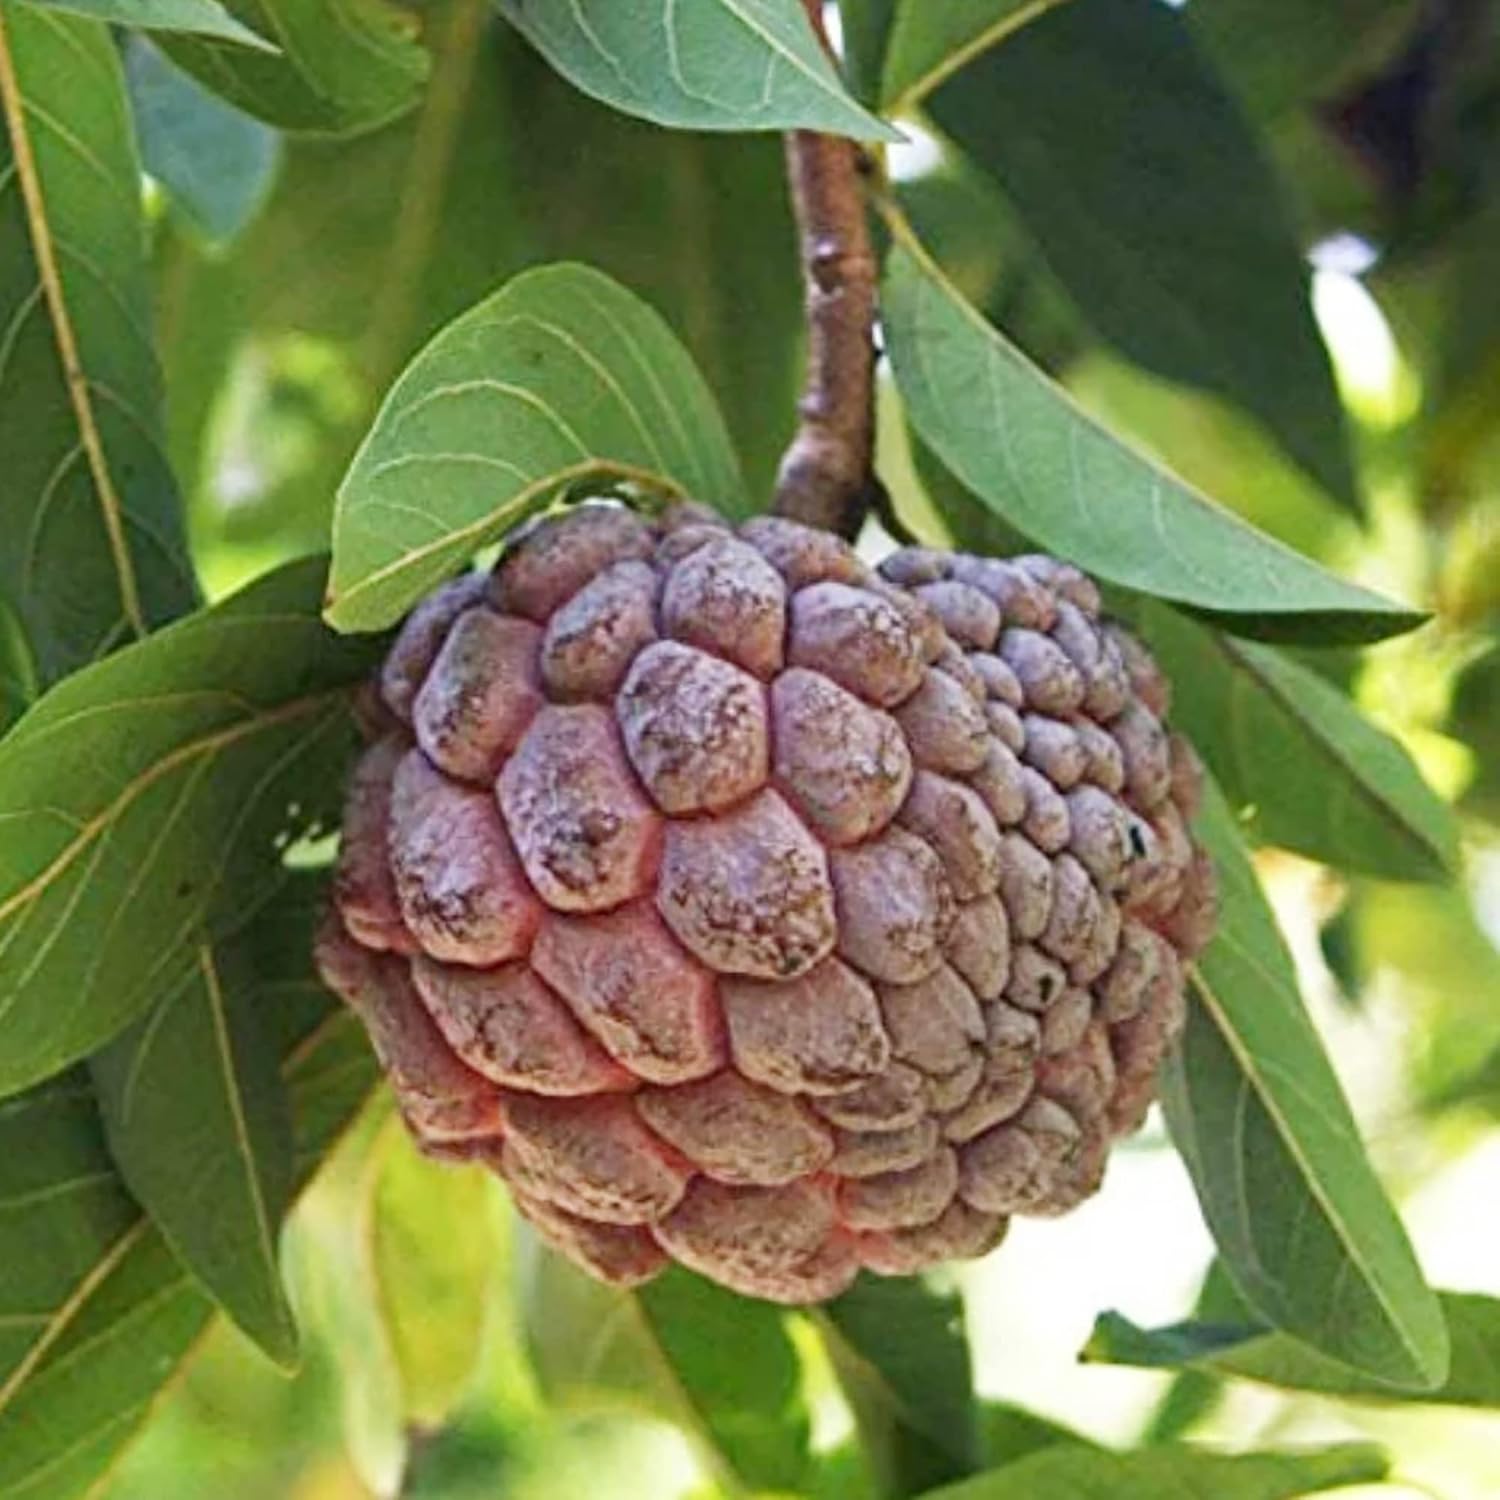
(746, 907)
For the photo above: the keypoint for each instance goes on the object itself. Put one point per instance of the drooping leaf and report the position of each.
(432, 1246)
(1269, 1358)
(215, 161)
(720, 1366)
(1302, 1223)
(1149, 197)
(95, 1311)
(561, 377)
(343, 65)
(902, 1355)
(91, 549)
(197, 1122)
(1310, 771)
(200, 17)
(714, 65)
(1067, 1473)
(1020, 444)
(930, 43)
(144, 802)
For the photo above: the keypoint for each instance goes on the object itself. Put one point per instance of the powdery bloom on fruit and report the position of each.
(744, 907)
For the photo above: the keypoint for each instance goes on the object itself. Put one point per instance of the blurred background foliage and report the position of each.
(295, 275)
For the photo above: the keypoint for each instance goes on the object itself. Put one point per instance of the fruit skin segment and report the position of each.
(744, 906)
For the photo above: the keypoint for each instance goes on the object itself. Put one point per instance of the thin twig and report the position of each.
(827, 473)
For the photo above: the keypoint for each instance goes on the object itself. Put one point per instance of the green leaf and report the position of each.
(433, 1247)
(902, 1356)
(1304, 1227)
(1149, 197)
(202, 17)
(1067, 1473)
(215, 161)
(1018, 441)
(720, 1366)
(867, 27)
(1269, 1358)
(1310, 772)
(95, 1311)
(145, 800)
(91, 548)
(562, 376)
(345, 65)
(930, 43)
(18, 684)
(1281, 54)
(197, 1122)
(714, 65)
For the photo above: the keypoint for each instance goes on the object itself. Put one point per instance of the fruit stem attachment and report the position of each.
(827, 473)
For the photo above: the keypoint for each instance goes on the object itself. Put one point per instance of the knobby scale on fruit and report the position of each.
(746, 907)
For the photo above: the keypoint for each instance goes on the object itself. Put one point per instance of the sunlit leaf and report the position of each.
(197, 1122)
(713, 65)
(432, 1246)
(201, 17)
(95, 1311)
(1151, 200)
(719, 1365)
(1312, 773)
(143, 803)
(929, 43)
(561, 377)
(902, 1355)
(1020, 444)
(1304, 1227)
(1258, 1354)
(91, 550)
(1066, 1473)
(216, 162)
(343, 66)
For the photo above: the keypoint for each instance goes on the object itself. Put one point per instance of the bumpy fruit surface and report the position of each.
(745, 907)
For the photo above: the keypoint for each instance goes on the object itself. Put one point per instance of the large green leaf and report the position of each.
(91, 550)
(95, 1311)
(1018, 441)
(1304, 1227)
(866, 26)
(1310, 771)
(561, 377)
(1067, 1473)
(1149, 197)
(902, 1355)
(719, 1365)
(197, 1121)
(201, 17)
(216, 162)
(711, 65)
(930, 43)
(1269, 1358)
(143, 803)
(344, 65)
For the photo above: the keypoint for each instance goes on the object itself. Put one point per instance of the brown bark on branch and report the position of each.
(827, 474)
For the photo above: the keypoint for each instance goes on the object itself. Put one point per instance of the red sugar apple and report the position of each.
(743, 906)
